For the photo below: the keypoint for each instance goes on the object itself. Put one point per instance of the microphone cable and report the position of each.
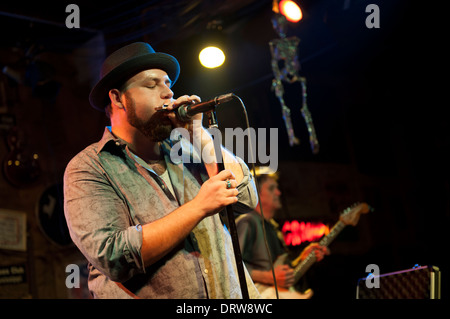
(259, 199)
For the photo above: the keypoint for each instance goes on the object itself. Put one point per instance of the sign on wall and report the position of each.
(13, 229)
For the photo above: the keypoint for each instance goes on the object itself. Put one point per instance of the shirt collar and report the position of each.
(109, 138)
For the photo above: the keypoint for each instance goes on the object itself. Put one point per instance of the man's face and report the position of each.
(270, 195)
(143, 93)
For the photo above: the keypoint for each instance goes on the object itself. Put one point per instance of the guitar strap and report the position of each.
(280, 236)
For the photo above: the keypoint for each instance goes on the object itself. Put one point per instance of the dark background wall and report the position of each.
(374, 95)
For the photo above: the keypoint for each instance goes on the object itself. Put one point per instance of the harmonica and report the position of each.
(161, 108)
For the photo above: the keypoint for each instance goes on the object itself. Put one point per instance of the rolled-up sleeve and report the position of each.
(99, 222)
(247, 197)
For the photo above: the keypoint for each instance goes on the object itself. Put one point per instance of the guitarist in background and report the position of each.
(252, 244)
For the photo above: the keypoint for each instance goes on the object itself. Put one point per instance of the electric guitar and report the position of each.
(349, 216)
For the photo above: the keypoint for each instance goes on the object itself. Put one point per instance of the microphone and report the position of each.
(186, 112)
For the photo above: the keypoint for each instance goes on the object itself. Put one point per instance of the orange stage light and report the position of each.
(290, 10)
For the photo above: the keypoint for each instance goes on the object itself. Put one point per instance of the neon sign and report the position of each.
(295, 232)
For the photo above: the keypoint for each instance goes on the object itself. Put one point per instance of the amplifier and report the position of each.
(417, 283)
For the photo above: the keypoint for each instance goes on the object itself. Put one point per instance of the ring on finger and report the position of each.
(228, 183)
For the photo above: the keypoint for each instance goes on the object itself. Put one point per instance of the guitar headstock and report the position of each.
(350, 216)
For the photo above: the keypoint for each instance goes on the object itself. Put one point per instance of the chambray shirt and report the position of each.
(108, 196)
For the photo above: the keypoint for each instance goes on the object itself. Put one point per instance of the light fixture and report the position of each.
(213, 40)
(211, 57)
(290, 9)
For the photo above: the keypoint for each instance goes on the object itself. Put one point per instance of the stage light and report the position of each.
(211, 57)
(290, 10)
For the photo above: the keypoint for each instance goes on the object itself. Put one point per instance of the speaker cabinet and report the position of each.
(416, 283)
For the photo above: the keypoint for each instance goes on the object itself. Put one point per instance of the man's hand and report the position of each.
(162, 235)
(216, 193)
(185, 99)
(284, 276)
(320, 251)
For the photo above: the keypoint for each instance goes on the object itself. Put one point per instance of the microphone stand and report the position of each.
(212, 122)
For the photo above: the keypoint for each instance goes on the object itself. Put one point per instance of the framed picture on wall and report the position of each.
(13, 230)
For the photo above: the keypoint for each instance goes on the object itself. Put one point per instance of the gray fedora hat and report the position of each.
(127, 62)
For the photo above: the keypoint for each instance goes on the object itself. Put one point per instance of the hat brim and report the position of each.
(99, 94)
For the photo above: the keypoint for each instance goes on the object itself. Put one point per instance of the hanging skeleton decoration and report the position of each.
(284, 51)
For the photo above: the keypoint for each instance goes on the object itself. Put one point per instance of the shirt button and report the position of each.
(206, 271)
(118, 143)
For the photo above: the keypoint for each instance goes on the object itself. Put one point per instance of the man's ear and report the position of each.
(114, 96)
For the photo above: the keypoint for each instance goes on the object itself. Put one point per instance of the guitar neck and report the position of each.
(337, 228)
(303, 267)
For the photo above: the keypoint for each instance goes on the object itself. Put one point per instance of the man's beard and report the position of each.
(157, 128)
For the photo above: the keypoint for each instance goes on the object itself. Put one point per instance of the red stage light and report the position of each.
(295, 232)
